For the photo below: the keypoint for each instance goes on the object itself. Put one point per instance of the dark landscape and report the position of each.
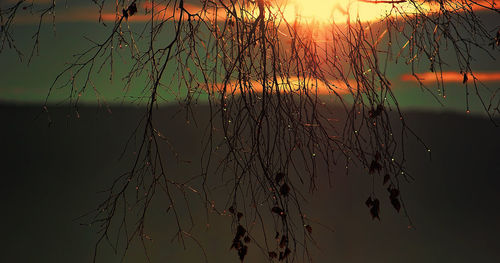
(51, 175)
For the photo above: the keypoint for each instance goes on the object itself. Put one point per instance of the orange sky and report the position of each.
(341, 88)
(451, 77)
(323, 11)
(294, 86)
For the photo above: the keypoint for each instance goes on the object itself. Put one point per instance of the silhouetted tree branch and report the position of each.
(283, 105)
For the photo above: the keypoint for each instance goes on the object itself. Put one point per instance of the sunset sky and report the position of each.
(23, 83)
(55, 166)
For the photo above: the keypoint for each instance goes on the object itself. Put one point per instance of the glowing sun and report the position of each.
(340, 11)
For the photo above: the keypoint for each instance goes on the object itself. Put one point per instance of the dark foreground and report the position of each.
(50, 176)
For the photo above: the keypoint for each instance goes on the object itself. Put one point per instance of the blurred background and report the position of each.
(54, 171)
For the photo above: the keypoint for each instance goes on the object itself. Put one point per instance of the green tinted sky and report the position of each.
(21, 82)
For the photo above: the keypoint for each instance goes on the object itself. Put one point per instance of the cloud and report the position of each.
(324, 12)
(90, 13)
(451, 77)
(29, 1)
(291, 85)
(367, 11)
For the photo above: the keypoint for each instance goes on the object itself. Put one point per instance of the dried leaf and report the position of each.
(376, 112)
(387, 177)
(273, 255)
(239, 215)
(132, 9)
(242, 252)
(369, 201)
(277, 210)
(285, 189)
(279, 177)
(236, 244)
(375, 209)
(396, 204)
(375, 167)
(309, 228)
(284, 255)
(393, 192)
(287, 252)
(283, 241)
(240, 232)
